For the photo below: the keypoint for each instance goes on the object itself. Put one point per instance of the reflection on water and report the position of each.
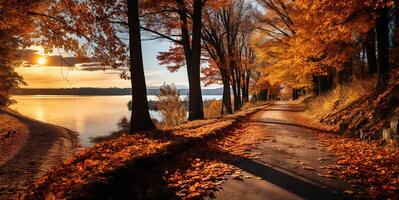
(90, 116)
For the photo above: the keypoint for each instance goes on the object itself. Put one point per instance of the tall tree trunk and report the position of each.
(370, 49)
(383, 46)
(140, 117)
(196, 110)
(239, 92)
(245, 89)
(185, 38)
(226, 92)
(234, 88)
(192, 54)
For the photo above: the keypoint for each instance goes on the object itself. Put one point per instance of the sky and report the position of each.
(64, 77)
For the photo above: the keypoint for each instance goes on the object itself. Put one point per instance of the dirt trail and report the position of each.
(290, 166)
(43, 146)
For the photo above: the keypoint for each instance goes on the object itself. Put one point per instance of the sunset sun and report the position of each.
(41, 61)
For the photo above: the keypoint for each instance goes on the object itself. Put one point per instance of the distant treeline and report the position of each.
(99, 91)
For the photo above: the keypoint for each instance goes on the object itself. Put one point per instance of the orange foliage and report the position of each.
(366, 164)
(299, 38)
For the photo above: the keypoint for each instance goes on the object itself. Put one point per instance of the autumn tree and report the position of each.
(140, 119)
(214, 44)
(323, 40)
(9, 79)
(106, 30)
(180, 21)
(229, 49)
(16, 26)
(271, 42)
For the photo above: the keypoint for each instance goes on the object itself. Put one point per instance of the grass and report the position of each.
(338, 98)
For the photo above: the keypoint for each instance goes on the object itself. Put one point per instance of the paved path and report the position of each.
(46, 146)
(289, 166)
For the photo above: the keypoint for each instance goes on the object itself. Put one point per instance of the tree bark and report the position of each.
(245, 85)
(383, 46)
(185, 38)
(371, 56)
(235, 92)
(192, 52)
(140, 116)
(195, 94)
(226, 92)
(238, 74)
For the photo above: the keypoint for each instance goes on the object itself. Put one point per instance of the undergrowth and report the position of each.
(338, 98)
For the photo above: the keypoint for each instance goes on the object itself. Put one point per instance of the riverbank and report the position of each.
(28, 149)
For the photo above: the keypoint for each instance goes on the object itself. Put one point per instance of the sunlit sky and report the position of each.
(63, 77)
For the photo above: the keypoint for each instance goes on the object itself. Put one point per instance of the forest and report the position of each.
(309, 105)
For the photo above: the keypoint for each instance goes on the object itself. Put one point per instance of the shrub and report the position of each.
(212, 108)
(171, 108)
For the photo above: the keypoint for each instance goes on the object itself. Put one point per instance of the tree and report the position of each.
(15, 28)
(370, 48)
(189, 39)
(9, 79)
(215, 46)
(140, 118)
(383, 44)
(99, 29)
(321, 39)
(229, 48)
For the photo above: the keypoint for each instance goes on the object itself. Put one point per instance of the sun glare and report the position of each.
(41, 61)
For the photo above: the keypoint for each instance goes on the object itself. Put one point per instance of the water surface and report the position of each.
(89, 116)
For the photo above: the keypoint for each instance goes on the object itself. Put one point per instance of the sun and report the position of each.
(41, 61)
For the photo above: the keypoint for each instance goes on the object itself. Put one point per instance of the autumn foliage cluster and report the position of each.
(319, 45)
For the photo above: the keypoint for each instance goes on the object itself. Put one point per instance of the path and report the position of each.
(289, 167)
(46, 145)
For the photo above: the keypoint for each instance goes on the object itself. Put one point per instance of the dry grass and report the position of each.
(212, 109)
(339, 98)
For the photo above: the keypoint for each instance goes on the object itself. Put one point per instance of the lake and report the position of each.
(89, 116)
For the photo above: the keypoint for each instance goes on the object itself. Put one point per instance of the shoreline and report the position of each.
(32, 150)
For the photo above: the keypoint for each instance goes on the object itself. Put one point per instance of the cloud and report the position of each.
(154, 73)
(95, 66)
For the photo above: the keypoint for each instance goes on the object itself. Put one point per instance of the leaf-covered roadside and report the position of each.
(362, 163)
(368, 116)
(202, 170)
(96, 165)
(365, 164)
(93, 165)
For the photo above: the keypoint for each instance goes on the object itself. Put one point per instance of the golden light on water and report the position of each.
(41, 60)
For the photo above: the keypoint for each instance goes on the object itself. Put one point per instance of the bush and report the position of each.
(212, 108)
(171, 108)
